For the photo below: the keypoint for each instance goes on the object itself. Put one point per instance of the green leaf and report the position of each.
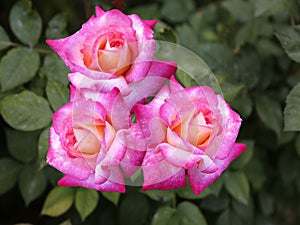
(32, 184)
(58, 201)
(237, 185)
(147, 12)
(17, 67)
(162, 196)
(240, 9)
(243, 104)
(290, 41)
(214, 203)
(266, 202)
(205, 18)
(112, 197)
(38, 84)
(288, 167)
(9, 174)
(186, 36)
(4, 39)
(25, 23)
(57, 93)
(171, 8)
(247, 68)
(135, 205)
(224, 218)
(22, 145)
(292, 110)
(269, 111)
(164, 216)
(187, 193)
(294, 80)
(219, 57)
(216, 187)
(55, 69)
(10, 92)
(231, 91)
(228, 217)
(267, 7)
(57, 27)
(53, 175)
(43, 146)
(191, 215)
(176, 219)
(67, 222)
(26, 111)
(255, 173)
(184, 79)
(268, 47)
(246, 34)
(164, 32)
(86, 201)
(209, 35)
(287, 137)
(244, 212)
(245, 157)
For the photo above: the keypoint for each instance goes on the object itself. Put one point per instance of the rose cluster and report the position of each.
(110, 128)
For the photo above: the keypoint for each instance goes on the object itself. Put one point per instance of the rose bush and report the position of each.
(113, 73)
(188, 130)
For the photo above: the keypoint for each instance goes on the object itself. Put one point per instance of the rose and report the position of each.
(90, 139)
(188, 130)
(111, 45)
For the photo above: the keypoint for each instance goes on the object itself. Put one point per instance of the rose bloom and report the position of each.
(110, 45)
(187, 131)
(89, 140)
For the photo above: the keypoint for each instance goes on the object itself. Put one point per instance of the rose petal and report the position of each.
(99, 11)
(81, 81)
(135, 152)
(117, 110)
(179, 157)
(115, 17)
(200, 180)
(115, 152)
(145, 87)
(59, 158)
(145, 113)
(112, 174)
(90, 183)
(175, 181)
(160, 174)
(151, 23)
(230, 123)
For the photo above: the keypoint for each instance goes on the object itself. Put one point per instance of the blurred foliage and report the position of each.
(253, 48)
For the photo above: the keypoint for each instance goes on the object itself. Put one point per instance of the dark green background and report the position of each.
(253, 48)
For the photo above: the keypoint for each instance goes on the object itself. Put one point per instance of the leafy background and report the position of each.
(253, 48)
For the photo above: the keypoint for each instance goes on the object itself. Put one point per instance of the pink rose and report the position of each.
(111, 45)
(89, 140)
(187, 130)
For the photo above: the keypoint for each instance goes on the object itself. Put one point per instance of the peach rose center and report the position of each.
(195, 129)
(113, 54)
